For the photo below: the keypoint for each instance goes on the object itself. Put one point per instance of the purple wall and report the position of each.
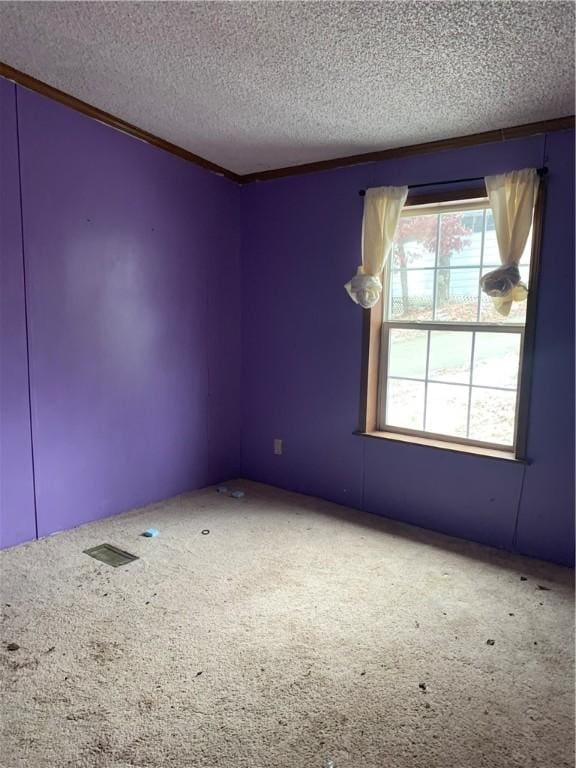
(301, 369)
(138, 329)
(132, 274)
(546, 522)
(17, 519)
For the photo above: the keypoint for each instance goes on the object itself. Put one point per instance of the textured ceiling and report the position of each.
(254, 86)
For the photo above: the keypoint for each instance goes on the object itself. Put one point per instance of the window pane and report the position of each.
(457, 295)
(460, 246)
(447, 409)
(474, 221)
(491, 252)
(411, 294)
(496, 359)
(405, 404)
(415, 242)
(450, 353)
(407, 353)
(492, 416)
(488, 313)
(527, 252)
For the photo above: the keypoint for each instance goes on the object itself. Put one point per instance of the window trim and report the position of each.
(372, 342)
(443, 445)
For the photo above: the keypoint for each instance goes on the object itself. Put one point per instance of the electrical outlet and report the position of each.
(277, 446)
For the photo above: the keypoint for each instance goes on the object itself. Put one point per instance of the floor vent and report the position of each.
(110, 554)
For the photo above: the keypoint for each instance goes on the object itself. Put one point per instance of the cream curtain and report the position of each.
(512, 197)
(382, 208)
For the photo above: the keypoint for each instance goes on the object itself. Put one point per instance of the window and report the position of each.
(444, 365)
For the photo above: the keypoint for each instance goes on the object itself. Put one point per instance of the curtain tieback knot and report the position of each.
(502, 281)
(364, 289)
(504, 286)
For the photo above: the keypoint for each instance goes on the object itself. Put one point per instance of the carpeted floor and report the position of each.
(296, 632)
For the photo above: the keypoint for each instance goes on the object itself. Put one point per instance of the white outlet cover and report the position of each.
(277, 446)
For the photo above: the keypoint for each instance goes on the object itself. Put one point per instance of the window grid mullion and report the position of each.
(473, 345)
(482, 241)
(428, 325)
(426, 380)
(436, 256)
(454, 383)
(430, 269)
(383, 386)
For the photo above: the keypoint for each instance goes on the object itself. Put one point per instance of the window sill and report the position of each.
(442, 445)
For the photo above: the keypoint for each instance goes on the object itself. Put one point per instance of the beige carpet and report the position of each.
(295, 633)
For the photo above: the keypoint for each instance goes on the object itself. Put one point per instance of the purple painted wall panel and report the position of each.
(17, 521)
(302, 361)
(224, 298)
(128, 259)
(301, 342)
(546, 523)
(136, 288)
(461, 495)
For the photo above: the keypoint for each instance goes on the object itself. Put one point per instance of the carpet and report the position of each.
(296, 632)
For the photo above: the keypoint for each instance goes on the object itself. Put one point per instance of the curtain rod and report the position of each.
(539, 171)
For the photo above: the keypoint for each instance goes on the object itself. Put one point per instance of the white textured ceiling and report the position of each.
(260, 85)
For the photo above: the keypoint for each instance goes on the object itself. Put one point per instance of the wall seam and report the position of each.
(518, 507)
(241, 243)
(363, 490)
(208, 463)
(514, 545)
(26, 315)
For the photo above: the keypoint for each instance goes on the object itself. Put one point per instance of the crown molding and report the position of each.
(459, 142)
(473, 139)
(114, 122)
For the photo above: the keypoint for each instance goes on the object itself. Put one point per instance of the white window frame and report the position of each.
(452, 206)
